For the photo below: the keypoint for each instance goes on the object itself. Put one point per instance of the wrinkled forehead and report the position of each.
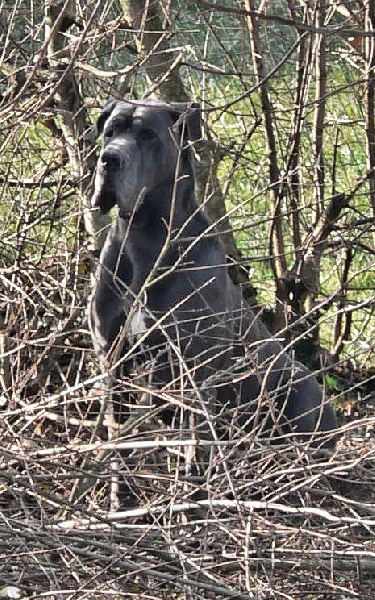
(151, 114)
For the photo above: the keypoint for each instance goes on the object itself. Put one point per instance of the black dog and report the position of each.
(163, 297)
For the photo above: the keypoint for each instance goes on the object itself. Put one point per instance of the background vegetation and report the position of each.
(288, 172)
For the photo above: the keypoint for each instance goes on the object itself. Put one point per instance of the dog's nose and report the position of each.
(111, 159)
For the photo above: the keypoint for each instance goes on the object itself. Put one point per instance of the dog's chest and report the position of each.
(138, 323)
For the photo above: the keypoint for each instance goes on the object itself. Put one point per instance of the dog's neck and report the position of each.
(160, 231)
(159, 208)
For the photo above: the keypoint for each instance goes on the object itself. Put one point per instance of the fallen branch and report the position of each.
(249, 505)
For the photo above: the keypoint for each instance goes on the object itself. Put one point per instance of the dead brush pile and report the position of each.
(279, 522)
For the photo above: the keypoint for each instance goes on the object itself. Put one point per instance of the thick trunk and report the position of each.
(72, 117)
(152, 39)
(162, 68)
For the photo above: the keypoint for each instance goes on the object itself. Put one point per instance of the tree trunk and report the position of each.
(311, 267)
(343, 318)
(276, 238)
(370, 99)
(313, 247)
(73, 117)
(162, 67)
(152, 40)
(292, 169)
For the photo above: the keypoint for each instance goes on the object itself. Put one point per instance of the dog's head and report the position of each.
(146, 146)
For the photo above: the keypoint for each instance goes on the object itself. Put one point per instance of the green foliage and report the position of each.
(38, 220)
(332, 384)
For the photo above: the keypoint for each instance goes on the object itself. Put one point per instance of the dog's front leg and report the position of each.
(200, 428)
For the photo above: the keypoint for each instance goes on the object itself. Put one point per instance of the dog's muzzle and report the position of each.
(111, 161)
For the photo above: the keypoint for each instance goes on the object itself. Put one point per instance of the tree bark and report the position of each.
(276, 238)
(370, 100)
(343, 318)
(73, 117)
(311, 274)
(292, 167)
(152, 40)
(162, 68)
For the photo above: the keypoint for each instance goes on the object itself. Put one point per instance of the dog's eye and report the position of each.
(108, 133)
(146, 135)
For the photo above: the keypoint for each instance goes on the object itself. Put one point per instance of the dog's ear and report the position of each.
(193, 122)
(188, 122)
(106, 112)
